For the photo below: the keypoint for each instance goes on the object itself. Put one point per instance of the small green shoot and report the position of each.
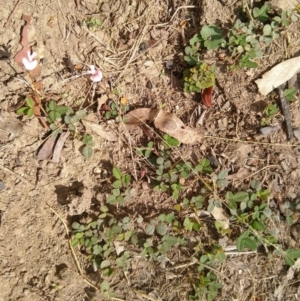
(92, 23)
(28, 109)
(87, 150)
(290, 94)
(268, 114)
(54, 111)
(121, 192)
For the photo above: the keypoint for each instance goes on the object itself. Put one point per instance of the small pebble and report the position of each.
(268, 130)
(2, 186)
(105, 7)
(297, 133)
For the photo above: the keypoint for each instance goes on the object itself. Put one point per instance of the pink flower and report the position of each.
(29, 63)
(96, 74)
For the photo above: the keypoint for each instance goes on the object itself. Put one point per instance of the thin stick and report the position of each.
(17, 175)
(72, 250)
(12, 12)
(286, 112)
(251, 142)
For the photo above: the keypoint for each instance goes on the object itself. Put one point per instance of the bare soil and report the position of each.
(40, 199)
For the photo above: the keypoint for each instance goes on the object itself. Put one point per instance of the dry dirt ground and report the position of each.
(40, 199)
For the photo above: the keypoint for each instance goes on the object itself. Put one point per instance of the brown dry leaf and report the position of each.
(100, 130)
(221, 216)
(59, 145)
(140, 116)
(173, 126)
(46, 150)
(239, 175)
(284, 4)
(101, 101)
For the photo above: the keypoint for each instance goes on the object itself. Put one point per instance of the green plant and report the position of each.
(290, 94)
(116, 111)
(71, 118)
(54, 111)
(268, 114)
(92, 23)
(121, 192)
(87, 150)
(28, 109)
(199, 77)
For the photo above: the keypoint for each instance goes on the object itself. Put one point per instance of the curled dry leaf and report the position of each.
(46, 150)
(173, 126)
(140, 116)
(59, 145)
(278, 75)
(100, 130)
(206, 96)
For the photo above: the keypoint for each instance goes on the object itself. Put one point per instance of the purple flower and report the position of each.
(29, 63)
(96, 74)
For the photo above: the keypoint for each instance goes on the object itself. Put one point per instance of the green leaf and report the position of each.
(212, 36)
(290, 93)
(237, 197)
(87, 152)
(267, 30)
(150, 229)
(257, 225)
(29, 113)
(29, 102)
(117, 173)
(22, 111)
(261, 14)
(52, 105)
(161, 229)
(117, 184)
(104, 286)
(76, 226)
(52, 116)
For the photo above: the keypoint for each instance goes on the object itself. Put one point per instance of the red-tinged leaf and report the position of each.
(206, 96)
(24, 40)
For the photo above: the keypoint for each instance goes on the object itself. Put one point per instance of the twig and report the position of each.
(12, 12)
(286, 112)
(17, 175)
(72, 250)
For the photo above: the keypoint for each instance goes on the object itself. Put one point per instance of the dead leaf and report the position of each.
(221, 216)
(239, 175)
(59, 145)
(278, 75)
(46, 150)
(140, 116)
(173, 126)
(100, 130)
(206, 96)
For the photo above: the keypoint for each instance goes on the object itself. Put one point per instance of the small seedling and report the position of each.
(92, 23)
(87, 151)
(199, 77)
(121, 192)
(55, 112)
(28, 109)
(72, 119)
(290, 94)
(268, 114)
